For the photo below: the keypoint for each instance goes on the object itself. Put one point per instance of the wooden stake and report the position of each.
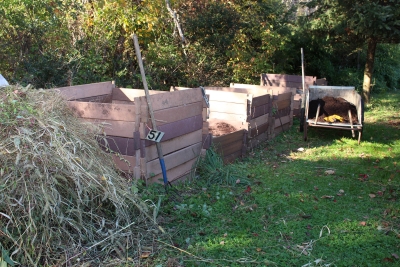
(153, 121)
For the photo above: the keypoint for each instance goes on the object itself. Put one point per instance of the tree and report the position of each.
(368, 21)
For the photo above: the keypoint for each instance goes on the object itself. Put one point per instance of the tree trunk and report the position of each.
(369, 69)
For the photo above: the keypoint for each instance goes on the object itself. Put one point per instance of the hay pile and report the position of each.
(61, 201)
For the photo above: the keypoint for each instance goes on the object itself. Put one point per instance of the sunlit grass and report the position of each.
(296, 212)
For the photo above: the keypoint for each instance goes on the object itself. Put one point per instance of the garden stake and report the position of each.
(153, 121)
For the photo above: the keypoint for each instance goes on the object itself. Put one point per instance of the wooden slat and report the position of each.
(121, 145)
(206, 140)
(237, 125)
(126, 94)
(176, 128)
(288, 78)
(174, 159)
(232, 157)
(230, 148)
(104, 111)
(259, 130)
(97, 99)
(257, 140)
(282, 121)
(227, 107)
(115, 128)
(125, 163)
(86, 90)
(170, 115)
(175, 99)
(231, 97)
(259, 111)
(123, 102)
(283, 104)
(285, 127)
(260, 100)
(174, 144)
(259, 120)
(175, 174)
(228, 117)
(284, 96)
(227, 139)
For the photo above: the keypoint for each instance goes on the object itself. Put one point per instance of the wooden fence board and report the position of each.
(176, 128)
(288, 78)
(174, 159)
(174, 144)
(284, 96)
(257, 140)
(85, 91)
(104, 111)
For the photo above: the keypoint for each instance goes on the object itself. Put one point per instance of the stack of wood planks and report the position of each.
(125, 123)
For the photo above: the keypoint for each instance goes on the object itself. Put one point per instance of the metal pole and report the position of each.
(153, 121)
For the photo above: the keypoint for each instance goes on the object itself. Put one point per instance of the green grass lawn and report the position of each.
(334, 204)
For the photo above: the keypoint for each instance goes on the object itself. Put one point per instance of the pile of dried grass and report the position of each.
(61, 200)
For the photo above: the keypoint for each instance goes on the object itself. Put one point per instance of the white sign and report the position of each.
(155, 136)
(3, 82)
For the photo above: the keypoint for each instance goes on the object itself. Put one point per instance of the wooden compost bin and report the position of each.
(282, 105)
(125, 121)
(238, 119)
(291, 81)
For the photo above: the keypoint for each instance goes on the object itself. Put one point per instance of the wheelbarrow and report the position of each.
(319, 101)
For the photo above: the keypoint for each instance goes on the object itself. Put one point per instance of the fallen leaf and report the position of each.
(372, 195)
(145, 254)
(255, 234)
(316, 188)
(395, 255)
(226, 234)
(341, 191)
(388, 259)
(248, 189)
(329, 172)
(222, 243)
(238, 181)
(329, 197)
(258, 249)
(363, 223)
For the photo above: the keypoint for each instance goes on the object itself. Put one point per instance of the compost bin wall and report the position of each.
(125, 122)
(238, 119)
(282, 104)
(291, 81)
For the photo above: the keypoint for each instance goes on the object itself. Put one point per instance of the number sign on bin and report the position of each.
(155, 136)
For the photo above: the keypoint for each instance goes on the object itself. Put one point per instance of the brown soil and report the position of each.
(332, 106)
(221, 128)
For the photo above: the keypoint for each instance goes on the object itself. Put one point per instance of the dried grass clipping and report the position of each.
(61, 200)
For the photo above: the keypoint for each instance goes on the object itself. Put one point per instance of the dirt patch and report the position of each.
(332, 106)
(221, 128)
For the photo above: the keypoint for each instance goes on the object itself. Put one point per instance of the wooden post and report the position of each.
(153, 121)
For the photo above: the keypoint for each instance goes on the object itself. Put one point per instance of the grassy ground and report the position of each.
(334, 204)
